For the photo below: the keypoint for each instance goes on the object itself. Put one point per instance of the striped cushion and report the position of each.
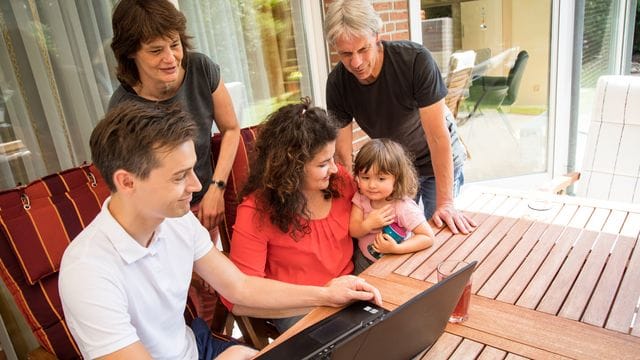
(37, 223)
(57, 207)
(237, 178)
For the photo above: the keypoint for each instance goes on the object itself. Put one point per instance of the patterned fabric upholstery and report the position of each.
(255, 332)
(37, 223)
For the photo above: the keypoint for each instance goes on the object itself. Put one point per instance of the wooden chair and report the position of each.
(256, 332)
(611, 167)
(457, 84)
(37, 222)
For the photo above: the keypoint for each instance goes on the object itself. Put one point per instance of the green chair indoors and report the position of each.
(493, 92)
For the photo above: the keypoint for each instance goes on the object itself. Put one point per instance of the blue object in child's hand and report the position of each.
(395, 231)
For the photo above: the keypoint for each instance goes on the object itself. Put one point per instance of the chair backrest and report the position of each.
(457, 83)
(515, 77)
(611, 165)
(37, 222)
(461, 60)
(237, 178)
(482, 55)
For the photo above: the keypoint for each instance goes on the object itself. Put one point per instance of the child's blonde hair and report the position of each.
(388, 157)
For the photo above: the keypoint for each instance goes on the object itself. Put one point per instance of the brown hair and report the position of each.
(136, 22)
(388, 157)
(290, 137)
(131, 134)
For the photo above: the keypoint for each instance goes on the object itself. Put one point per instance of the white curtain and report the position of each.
(57, 71)
(54, 83)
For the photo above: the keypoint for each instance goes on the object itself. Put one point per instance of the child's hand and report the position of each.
(378, 218)
(384, 244)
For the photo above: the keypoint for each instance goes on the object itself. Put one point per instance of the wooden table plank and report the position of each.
(502, 343)
(514, 357)
(491, 353)
(443, 348)
(407, 263)
(413, 262)
(635, 331)
(605, 292)
(498, 252)
(615, 222)
(467, 350)
(586, 282)
(466, 247)
(492, 287)
(535, 334)
(518, 282)
(626, 301)
(548, 258)
(546, 272)
(565, 277)
(450, 247)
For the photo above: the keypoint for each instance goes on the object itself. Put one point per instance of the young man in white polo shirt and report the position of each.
(124, 279)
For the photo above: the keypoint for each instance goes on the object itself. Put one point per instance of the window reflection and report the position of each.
(502, 112)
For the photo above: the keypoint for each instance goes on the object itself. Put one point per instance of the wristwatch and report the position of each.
(219, 183)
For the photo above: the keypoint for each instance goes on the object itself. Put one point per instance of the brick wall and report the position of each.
(395, 21)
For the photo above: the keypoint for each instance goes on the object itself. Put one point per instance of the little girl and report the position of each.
(387, 182)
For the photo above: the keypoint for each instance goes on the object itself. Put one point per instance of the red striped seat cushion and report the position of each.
(37, 223)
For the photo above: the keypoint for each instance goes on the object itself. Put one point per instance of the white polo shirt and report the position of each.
(115, 292)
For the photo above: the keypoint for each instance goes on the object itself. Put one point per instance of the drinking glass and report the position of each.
(461, 311)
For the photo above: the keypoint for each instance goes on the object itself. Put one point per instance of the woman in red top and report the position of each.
(293, 222)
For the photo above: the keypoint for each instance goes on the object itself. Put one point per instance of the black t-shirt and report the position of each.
(389, 107)
(201, 79)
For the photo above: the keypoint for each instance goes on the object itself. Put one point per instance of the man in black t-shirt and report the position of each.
(394, 89)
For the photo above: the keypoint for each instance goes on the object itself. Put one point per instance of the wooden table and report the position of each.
(550, 284)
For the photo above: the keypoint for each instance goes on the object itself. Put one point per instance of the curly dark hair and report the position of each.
(288, 139)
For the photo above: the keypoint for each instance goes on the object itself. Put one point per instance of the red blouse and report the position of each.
(259, 248)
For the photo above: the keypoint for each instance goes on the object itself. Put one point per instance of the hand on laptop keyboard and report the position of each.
(348, 288)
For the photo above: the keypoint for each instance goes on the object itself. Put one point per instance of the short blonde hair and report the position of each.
(351, 19)
(388, 157)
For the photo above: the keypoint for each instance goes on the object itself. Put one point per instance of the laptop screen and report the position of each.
(412, 327)
(400, 334)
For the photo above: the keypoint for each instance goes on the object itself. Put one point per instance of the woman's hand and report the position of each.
(347, 288)
(211, 210)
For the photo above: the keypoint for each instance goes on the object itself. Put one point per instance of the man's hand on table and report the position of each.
(347, 288)
(454, 219)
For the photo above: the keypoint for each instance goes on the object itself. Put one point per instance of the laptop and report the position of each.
(364, 330)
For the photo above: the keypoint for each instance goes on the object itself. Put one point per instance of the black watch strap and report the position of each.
(219, 183)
